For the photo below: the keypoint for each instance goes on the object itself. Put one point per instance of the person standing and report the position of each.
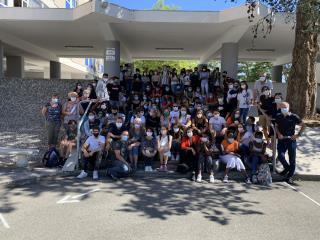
(245, 97)
(204, 78)
(52, 111)
(287, 139)
(101, 89)
(263, 81)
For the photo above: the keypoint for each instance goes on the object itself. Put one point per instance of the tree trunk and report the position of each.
(302, 84)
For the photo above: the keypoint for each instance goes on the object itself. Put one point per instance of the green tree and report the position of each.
(250, 71)
(302, 85)
(155, 64)
(160, 5)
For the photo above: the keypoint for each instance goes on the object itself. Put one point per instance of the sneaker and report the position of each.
(146, 168)
(199, 179)
(150, 169)
(95, 175)
(83, 174)
(165, 168)
(178, 158)
(289, 180)
(161, 169)
(226, 179)
(193, 177)
(211, 179)
(173, 158)
(248, 181)
(254, 179)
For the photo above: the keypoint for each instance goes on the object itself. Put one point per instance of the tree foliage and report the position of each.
(160, 5)
(250, 71)
(155, 64)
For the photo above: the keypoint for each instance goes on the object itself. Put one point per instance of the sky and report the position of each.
(186, 5)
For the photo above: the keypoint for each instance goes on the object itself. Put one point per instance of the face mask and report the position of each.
(262, 79)
(216, 116)
(190, 89)
(258, 140)
(149, 134)
(236, 115)
(230, 86)
(190, 134)
(141, 114)
(230, 140)
(267, 92)
(103, 107)
(119, 125)
(124, 138)
(144, 98)
(105, 79)
(166, 114)
(240, 130)
(114, 112)
(236, 122)
(199, 115)
(204, 139)
(243, 86)
(86, 95)
(163, 132)
(55, 100)
(220, 100)
(176, 130)
(91, 117)
(157, 100)
(79, 87)
(73, 99)
(95, 134)
(137, 125)
(183, 113)
(284, 110)
(277, 100)
(167, 89)
(136, 98)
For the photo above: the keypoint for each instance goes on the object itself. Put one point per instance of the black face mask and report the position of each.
(95, 134)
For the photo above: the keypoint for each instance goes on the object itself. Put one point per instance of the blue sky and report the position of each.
(187, 5)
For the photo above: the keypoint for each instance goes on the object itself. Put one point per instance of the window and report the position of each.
(3, 3)
(71, 3)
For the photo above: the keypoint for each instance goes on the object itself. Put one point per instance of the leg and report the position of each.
(201, 163)
(292, 146)
(282, 148)
(96, 160)
(209, 165)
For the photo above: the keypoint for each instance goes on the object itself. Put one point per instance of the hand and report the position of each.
(86, 154)
(280, 136)
(295, 137)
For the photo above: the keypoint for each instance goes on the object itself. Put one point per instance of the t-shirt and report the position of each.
(230, 147)
(174, 115)
(266, 104)
(54, 112)
(244, 98)
(122, 147)
(114, 90)
(95, 143)
(116, 131)
(217, 124)
(149, 144)
(287, 124)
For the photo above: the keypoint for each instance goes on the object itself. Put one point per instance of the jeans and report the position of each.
(206, 162)
(119, 169)
(290, 146)
(204, 87)
(175, 149)
(135, 151)
(189, 159)
(148, 161)
(244, 114)
(95, 159)
(253, 162)
(53, 129)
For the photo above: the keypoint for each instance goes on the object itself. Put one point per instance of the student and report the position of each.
(164, 146)
(70, 109)
(263, 81)
(177, 134)
(205, 158)
(101, 89)
(92, 151)
(185, 119)
(149, 148)
(116, 129)
(91, 123)
(218, 125)
(136, 135)
(245, 99)
(204, 78)
(68, 142)
(230, 148)
(200, 122)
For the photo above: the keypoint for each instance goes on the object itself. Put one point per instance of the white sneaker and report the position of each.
(226, 179)
(150, 169)
(95, 175)
(173, 158)
(178, 157)
(211, 179)
(146, 169)
(83, 174)
(199, 178)
(248, 181)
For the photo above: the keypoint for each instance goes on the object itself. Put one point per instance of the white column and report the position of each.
(15, 66)
(1, 60)
(277, 73)
(318, 70)
(55, 70)
(229, 59)
(112, 58)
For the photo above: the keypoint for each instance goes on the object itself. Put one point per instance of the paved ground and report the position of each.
(155, 208)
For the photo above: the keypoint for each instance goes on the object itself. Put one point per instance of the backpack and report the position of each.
(264, 175)
(51, 158)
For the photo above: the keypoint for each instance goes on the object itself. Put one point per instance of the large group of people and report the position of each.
(197, 118)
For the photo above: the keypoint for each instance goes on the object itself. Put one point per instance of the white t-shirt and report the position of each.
(95, 143)
(246, 138)
(174, 115)
(217, 124)
(244, 98)
(184, 119)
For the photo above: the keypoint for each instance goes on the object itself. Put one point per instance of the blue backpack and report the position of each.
(51, 158)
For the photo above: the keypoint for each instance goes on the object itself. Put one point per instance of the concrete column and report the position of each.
(277, 73)
(318, 70)
(55, 70)
(112, 58)
(1, 60)
(229, 59)
(15, 66)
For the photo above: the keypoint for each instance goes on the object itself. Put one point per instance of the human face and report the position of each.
(95, 133)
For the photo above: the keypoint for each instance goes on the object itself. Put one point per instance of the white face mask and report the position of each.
(240, 130)
(73, 99)
(183, 113)
(262, 79)
(119, 125)
(258, 140)
(237, 115)
(190, 134)
(216, 116)
(175, 108)
(230, 140)
(277, 100)
(204, 139)
(103, 107)
(220, 100)
(176, 130)
(231, 86)
(149, 134)
(137, 125)
(164, 132)
(91, 117)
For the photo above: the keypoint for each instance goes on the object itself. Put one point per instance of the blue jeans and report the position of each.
(119, 169)
(254, 161)
(135, 151)
(290, 146)
(175, 149)
(244, 114)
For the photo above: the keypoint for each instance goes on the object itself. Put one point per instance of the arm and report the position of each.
(119, 157)
(302, 128)
(44, 111)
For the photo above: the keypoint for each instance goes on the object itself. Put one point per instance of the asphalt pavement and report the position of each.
(159, 208)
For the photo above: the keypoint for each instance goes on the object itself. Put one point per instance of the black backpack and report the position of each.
(51, 158)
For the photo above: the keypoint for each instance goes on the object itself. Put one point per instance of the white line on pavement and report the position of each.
(81, 195)
(303, 194)
(4, 222)
(69, 199)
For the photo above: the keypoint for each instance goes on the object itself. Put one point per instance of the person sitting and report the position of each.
(68, 142)
(200, 122)
(165, 118)
(189, 151)
(244, 137)
(149, 148)
(230, 147)
(176, 142)
(139, 114)
(119, 153)
(257, 150)
(70, 109)
(164, 146)
(91, 123)
(92, 151)
(116, 129)
(218, 125)
(78, 89)
(136, 135)
(153, 120)
(184, 119)
(112, 117)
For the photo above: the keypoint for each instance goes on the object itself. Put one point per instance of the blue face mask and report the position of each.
(124, 138)
(285, 110)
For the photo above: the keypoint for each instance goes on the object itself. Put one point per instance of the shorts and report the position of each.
(263, 121)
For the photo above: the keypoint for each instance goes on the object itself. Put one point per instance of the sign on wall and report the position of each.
(110, 54)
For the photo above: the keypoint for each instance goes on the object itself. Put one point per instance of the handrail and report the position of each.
(80, 123)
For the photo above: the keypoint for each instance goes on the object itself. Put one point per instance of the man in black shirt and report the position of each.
(285, 127)
(115, 129)
(114, 89)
